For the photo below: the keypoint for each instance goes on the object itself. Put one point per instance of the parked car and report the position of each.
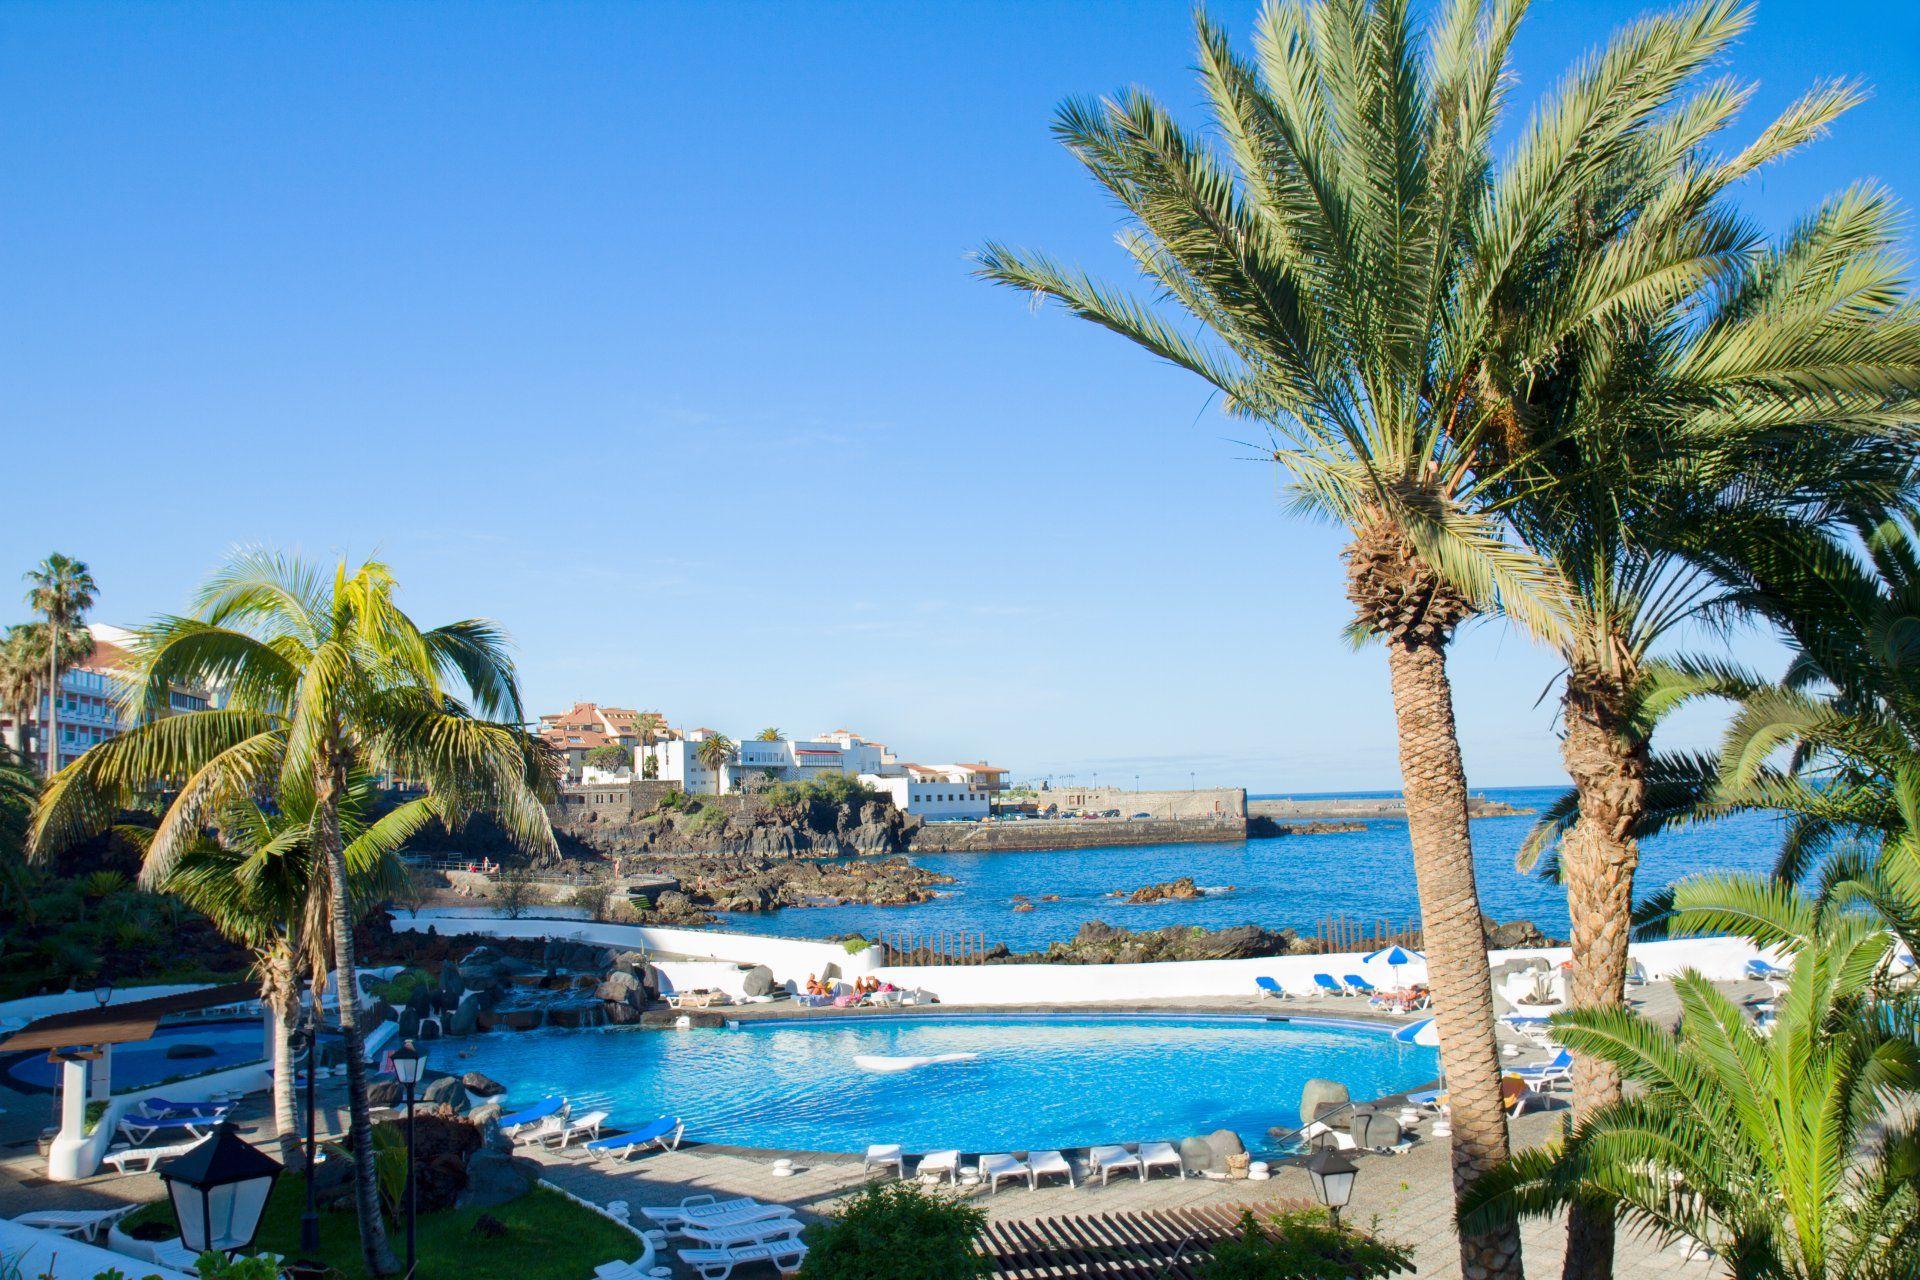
(1138, 816)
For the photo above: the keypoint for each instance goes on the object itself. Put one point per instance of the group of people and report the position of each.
(861, 986)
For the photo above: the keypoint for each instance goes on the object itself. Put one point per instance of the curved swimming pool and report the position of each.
(176, 1049)
(1016, 1082)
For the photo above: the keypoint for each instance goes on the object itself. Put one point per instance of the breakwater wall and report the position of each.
(1385, 807)
(1211, 803)
(1040, 835)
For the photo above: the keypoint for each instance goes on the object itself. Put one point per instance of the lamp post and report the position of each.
(219, 1191)
(103, 993)
(408, 1063)
(1332, 1175)
(306, 1044)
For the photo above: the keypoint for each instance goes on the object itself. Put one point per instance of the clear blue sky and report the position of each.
(648, 331)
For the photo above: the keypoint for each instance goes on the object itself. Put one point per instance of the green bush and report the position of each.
(1300, 1244)
(832, 788)
(673, 800)
(896, 1231)
(855, 945)
(708, 817)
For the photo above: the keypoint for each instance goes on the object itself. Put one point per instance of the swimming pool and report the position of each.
(1035, 1081)
(145, 1062)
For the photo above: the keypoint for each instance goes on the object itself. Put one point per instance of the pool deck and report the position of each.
(1407, 1197)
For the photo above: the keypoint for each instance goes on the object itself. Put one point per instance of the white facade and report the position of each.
(933, 800)
(931, 791)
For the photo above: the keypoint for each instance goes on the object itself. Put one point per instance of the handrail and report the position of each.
(1284, 1137)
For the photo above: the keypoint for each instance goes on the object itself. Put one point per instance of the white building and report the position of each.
(932, 791)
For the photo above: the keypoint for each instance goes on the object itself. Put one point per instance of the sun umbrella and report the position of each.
(1424, 1032)
(1395, 957)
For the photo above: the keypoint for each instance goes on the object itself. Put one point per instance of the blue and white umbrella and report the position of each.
(1394, 958)
(1424, 1032)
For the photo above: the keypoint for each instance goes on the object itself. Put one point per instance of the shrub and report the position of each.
(854, 945)
(896, 1231)
(611, 757)
(1299, 1244)
(832, 788)
(513, 892)
(674, 800)
(708, 817)
(595, 896)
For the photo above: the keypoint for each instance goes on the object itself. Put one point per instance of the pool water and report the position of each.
(144, 1063)
(1039, 1081)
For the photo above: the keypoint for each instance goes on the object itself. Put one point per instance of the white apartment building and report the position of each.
(931, 791)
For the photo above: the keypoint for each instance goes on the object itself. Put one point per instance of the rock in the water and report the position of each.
(484, 1086)
(466, 1015)
(621, 987)
(1224, 1143)
(634, 962)
(485, 1114)
(758, 982)
(1319, 1095)
(1181, 890)
(383, 1093)
(175, 1051)
(494, 1178)
(450, 979)
(1196, 1155)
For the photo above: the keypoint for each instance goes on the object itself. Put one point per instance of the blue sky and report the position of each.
(649, 332)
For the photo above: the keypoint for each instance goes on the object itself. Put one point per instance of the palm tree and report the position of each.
(1352, 262)
(19, 789)
(650, 726)
(62, 591)
(261, 885)
(1785, 1150)
(715, 752)
(769, 735)
(324, 676)
(1651, 491)
(20, 668)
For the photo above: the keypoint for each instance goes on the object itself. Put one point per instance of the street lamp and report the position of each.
(219, 1191)
(103, 993)
(408, 1063)
(1332, 1175)
(306, 1043)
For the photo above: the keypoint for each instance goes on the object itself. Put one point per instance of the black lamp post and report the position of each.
(408, 1063)
(103, 993)
(306, 1043)
(1332, 1175)
(219, 1191)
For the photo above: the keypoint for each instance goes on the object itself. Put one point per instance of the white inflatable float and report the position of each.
(876, 1062)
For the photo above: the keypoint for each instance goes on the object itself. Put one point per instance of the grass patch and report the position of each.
(547, 1235)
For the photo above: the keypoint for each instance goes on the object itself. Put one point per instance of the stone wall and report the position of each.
(1384, 807)
(617, 802)
(1206, 802)
(1071, 833)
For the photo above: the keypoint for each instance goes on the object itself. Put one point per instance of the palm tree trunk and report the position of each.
(1434, 780)
(1598, 859)
(283, 997)
(53, 698)
(329, 782)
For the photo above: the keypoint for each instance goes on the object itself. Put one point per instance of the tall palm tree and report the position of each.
(715, 752)
(650, 726)
(261, 884)
(769, 735)
(1786, 1150)
(1350, 256)
(20, 668)
(1658, 455)
(61, 591)
(324, 676)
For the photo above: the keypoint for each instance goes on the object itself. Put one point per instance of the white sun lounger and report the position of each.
(718, 1264)
(883, 1155)
(540, 1131)
(587, 1126)
(138, 1131)
(1154, 1154)
(1047, 1164)
(728, 1235)
(1107, 1161)
(82, 1224)
(998, 1168)
(939, 1162)
(708, 1211)
(120, 1157)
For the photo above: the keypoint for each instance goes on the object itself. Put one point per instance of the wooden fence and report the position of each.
(1340, 934)
(964, 946)
(1148, 1244)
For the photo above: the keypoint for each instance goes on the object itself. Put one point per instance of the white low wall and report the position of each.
(792, 959)
(31, 1007)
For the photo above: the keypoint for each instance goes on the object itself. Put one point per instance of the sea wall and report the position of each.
(1203, 802)
(1383, 807)
(1040, 834)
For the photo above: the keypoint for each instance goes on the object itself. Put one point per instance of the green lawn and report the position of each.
(548, 1235)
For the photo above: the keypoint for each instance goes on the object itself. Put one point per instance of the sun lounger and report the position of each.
(120, 1157)
(196, 1127)
(664, 1133)
(1155, 1154)
(620, 1271)
(712, 1212)
(1360, 986)
(81, 1224)
(1547, 1073)
(729, 1235)
(1320, 1135)
(1270, 987)
(884, 1155)
(700, 998)
(718, 1264)
(1325, 982)
(846, 1001)
(163, 1108)
(939, 1162)
(548, 1107)
(812, 1002)
(1761, 971)
(1107, 1161)
(587, 1126)
(996, 1169)
(1047, 1164)
(540, 1132)
(1636, 974)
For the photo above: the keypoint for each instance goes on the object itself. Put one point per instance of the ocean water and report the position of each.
(1288, 882)
(1030, 1082)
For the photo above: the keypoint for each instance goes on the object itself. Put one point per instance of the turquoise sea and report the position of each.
(1290, 882)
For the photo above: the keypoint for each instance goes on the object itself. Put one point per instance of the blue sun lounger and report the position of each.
(1560, 1068)
(1359, 985)
(551, 1105)
(1325, 982)
(664, 1133)
(1270, 987)
(136, 1130)
(1761, 971)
